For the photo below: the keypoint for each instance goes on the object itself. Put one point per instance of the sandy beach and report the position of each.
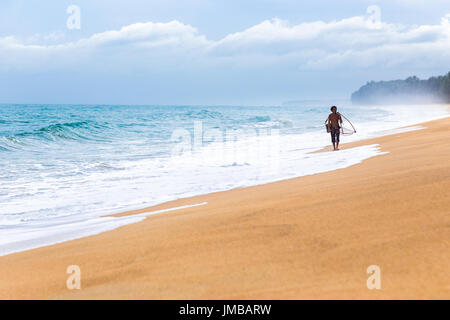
(306, 238)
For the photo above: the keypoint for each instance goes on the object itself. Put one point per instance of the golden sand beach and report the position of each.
(306, 238)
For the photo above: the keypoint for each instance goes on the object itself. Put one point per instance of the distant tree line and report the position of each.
(411, 90)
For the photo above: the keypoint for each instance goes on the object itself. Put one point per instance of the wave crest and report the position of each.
(73, 131)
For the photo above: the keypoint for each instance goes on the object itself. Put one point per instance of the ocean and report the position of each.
(66, 166)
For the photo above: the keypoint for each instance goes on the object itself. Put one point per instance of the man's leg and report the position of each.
(333, 140)
(337, 139)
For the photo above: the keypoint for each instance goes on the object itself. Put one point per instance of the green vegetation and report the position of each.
(411, 90)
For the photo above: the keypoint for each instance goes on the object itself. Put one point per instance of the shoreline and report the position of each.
(293, 163)
(282, 232)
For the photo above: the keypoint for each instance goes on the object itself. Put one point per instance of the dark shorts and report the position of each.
(335, 135)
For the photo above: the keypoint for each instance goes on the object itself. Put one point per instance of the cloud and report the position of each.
(356, 33)
(355, 42)
(148, 34)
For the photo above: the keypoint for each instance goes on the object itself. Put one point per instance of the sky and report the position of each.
(214, 52)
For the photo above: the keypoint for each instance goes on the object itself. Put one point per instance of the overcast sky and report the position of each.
(258, 52)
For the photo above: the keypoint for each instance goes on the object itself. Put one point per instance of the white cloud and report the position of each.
(348, 34)
(150, 33)
(352, 42)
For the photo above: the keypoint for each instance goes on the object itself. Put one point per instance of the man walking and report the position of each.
(334, 126)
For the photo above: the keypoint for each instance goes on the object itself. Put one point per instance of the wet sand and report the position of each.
(306, 238)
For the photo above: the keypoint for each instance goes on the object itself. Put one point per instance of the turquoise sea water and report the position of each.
(64, 166)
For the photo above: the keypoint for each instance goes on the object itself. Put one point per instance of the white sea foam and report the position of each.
(26, 237)
(67, 202)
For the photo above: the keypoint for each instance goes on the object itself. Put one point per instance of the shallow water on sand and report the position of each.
(64, 166)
